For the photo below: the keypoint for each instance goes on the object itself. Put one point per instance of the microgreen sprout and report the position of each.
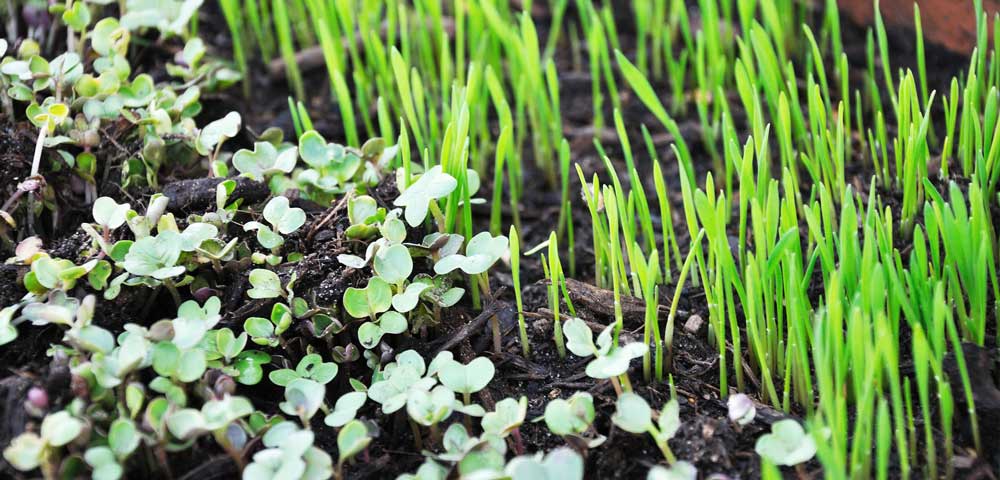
(572, 419)
(634, 415)
(610, 361)
(787, 444)
(265, 160)
(741, 409)
(680, 470)
(30, 450)
(282, 219)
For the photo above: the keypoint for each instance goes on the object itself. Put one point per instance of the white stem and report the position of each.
(36, 161)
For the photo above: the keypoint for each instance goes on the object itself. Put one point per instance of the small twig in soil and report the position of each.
(328, 216)
(216, 467)
(490, 309)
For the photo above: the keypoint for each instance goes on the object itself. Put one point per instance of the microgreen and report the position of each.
(28, 450)
(741, 409)
(375, 298)
(264, 160)
(283, 220)
(303, 397)
(345, 409)
(633, 415)
(787, 444)
(680, 470)
(468, 378)
(311, 367)
(561, 463)
(610, 360)
(418, 196)
(573, 418)
(481, 253)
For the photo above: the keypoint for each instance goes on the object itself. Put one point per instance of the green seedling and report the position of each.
(481, 253)
(466, 379)
(289, 451)
(610, 361)
(515, 271)
(370, 301)
(109, 214)
(573, 419)
(680, 470)
(371, 333)
(506, 419)
(30, 450)
(194, 68)
(249, 366)
(397, 379)
(311, 367)
(194, 321)
(787, 444)
(428, 408)
(143, 225)
(420, 196)
(741, 409)
(155, 257)
(352, 439)
(214, 135)
(283, 220)
(393, 264)
(472, 454)
(103, 463)
(365, 217)
(303, 398)
(406, 301)
(49, 273)
(333, 166)
(265, 160)
(170, 17)
(215, 415)
(561, 463)
(268, 331)
(634, 415)
(345, 409)
(265, 284)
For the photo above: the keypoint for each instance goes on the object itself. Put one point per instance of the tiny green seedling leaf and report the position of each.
(570, 417)
(352, 439)
(560, 464)
(480, 254)
(788, 444)
(375, 298)
(217, 132)
(507, 415)
(469, 378)
(632, 413)
(393, 264)
(432, 185)
(741, 409)
(371, 333)
(303, 397)
(155, 256)
(108, 213)
(266, 284)
(264, 160)
(345, 409)
(579, 338)
(283, 218)
(680, 470)
(407, 299)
